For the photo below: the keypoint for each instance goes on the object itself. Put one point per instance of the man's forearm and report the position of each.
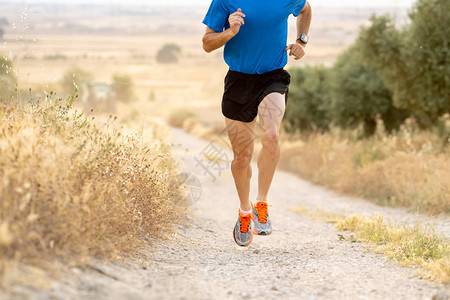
(304, 20)
(214, 40)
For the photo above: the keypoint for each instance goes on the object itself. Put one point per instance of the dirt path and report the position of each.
(302, 259)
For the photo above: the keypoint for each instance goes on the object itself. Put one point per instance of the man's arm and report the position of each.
(213, 40)
(303, 24)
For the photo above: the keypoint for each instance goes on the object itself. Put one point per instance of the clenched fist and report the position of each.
(296, 50)
(236, 20)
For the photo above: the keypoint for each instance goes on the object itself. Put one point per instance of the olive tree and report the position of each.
(308, 98)
(414, 62)
(168, 54)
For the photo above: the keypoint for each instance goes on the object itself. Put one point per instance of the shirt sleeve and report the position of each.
(217, 16)
(298, 6)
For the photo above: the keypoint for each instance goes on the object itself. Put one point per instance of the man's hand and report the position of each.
(296, 50)
(213, 40)
(236, 20)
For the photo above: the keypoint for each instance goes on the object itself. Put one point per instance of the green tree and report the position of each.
(359, 96)
(8, 81)
(123, 87)
(6, 67)
(414, 63)
(308, 96)
(74, 78)
(2, 33)
(168, 54)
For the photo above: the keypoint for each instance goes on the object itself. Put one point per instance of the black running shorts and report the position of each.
(244, 92)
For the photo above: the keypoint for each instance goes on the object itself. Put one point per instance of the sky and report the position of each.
(205, 3)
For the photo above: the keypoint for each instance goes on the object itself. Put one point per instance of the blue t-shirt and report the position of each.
(260, 45)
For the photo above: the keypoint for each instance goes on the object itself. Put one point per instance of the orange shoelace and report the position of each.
(245, 222)
(262, 210)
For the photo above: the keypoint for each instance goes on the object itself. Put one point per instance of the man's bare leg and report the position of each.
(242, 141)
(271, 112)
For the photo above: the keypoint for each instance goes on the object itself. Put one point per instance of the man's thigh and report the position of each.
(241, 135)
(271, 111)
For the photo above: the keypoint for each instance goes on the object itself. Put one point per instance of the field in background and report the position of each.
(47, 39)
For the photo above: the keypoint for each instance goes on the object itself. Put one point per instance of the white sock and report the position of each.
(245, 212)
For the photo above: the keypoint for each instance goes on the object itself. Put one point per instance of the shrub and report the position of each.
(8, 81)
(151, 96)
(359, 96)
(388, 73)
(414, 63)
(6, 67)
(122, 85)
(350, 95)
(55, 57)
(308, 98)
(73, 79)
(168, 54)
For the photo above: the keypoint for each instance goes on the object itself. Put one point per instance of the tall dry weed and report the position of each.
(70, 188)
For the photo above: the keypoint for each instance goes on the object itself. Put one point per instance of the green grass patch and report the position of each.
(406, 245)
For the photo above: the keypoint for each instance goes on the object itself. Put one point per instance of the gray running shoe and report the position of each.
(260, 215)
(242, 232)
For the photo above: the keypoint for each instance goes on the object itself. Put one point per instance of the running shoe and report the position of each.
(260, 216)
(242, 232)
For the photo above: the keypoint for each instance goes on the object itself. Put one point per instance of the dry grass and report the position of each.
(406, 245)
(410, 168)
(69, 188)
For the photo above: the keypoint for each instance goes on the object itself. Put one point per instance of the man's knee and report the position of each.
(270, 140)
(242, 159)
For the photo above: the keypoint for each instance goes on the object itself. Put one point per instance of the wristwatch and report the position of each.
(303, 38)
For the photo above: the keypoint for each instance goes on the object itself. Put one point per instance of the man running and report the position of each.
(255, 36)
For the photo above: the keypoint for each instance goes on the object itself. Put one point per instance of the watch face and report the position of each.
(304, 38)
